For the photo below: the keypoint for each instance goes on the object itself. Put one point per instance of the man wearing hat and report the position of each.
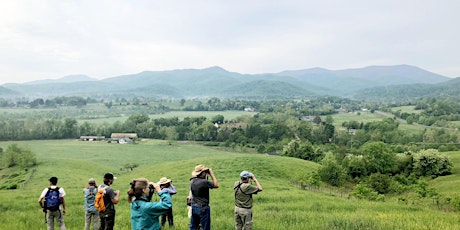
(167, 186)
(110, 199)
(91, 213)
(243, 200)
(199, 187)
(51, 214)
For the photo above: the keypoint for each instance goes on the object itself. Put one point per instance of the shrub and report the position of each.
(363, 191)
(431, 163)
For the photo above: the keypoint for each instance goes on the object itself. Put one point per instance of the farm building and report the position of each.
(92, 138)
(123, 138)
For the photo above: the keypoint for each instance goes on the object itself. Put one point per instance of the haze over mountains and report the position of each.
(371, 82)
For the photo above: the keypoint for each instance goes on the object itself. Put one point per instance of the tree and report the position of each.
(70, 128)
(16, 156)
(331, 171)
(378, 157)
(431, 163)
(219, 119)
(138, 118)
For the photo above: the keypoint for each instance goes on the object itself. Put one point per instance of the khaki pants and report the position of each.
(243, 218)
(51, 215)
(94, 217)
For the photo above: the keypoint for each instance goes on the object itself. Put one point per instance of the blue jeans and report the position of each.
(200, 215)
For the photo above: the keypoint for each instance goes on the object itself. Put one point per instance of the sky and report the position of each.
(50, 39)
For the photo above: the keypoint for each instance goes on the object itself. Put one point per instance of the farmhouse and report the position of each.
(123, 138)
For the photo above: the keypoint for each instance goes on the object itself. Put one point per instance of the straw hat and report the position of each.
(163, 180)
(198, 170)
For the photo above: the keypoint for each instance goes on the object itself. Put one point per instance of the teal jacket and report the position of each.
(144, 215)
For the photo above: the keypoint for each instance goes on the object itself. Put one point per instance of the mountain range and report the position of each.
(372, 82)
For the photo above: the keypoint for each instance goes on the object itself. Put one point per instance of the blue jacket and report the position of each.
(144, 215)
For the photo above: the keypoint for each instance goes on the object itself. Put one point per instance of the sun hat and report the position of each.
(164, 180)
(109, 176)
(198, 170)
(91, 181)
(245, 174)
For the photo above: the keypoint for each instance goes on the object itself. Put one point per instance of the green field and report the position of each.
(366, 117)
(228, 115)
(281, 205)
(407, 109)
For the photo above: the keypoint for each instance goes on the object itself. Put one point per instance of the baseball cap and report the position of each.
(109, 175)
(245, 174)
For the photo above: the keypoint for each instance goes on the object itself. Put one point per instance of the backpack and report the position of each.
(99, 199)
(90, 198)
(52, 200)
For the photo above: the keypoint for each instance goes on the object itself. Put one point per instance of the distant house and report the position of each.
(307, 118)
(341, 110)
(92, 138)
(249, 109)
(352, 131)
(123, 138)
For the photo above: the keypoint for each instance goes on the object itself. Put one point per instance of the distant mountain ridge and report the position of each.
(218, 82)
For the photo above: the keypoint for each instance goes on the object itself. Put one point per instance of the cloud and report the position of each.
(53, 38)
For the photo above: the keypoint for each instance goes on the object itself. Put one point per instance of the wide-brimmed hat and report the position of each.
(198, 170)
(91, 181)
(164, 180)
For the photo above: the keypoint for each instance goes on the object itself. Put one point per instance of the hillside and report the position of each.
(281, 205)
(450, 88)
(218, 82)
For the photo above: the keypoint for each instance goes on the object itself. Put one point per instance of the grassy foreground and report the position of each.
(280, 206)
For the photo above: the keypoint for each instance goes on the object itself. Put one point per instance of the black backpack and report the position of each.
(52, 199)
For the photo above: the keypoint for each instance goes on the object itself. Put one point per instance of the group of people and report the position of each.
(145, 214)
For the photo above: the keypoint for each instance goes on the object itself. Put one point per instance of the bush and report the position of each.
(380, 183)
(431, 163)
(331, 171)
(363, 191)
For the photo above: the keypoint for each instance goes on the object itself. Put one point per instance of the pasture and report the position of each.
(281, 205)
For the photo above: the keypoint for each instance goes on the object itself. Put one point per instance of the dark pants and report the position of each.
(107, 220)
(200, 214)
(169, 216)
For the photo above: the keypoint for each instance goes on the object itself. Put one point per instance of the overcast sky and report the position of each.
(48, 39)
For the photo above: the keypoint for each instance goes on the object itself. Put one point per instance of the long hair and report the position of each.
(137, 188)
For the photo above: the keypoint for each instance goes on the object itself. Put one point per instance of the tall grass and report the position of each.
(280, 206)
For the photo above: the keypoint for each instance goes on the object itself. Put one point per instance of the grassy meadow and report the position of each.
(228, 115)
(281, 205)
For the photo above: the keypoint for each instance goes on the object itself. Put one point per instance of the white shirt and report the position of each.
(61, 191)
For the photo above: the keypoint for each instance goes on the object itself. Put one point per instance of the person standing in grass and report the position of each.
(52, 202)
(244, 190)
(167, 186)
(199, 187)
(111, 198)
(91, 214)
(145, 214)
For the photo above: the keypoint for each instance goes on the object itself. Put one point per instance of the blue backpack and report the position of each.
(90, 197)
(52, 200)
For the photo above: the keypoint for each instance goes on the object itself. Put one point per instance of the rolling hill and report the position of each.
(218, 82)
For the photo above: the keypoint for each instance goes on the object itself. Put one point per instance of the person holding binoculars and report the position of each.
(145, 214)
(244, 190)
(199, 188)
(167, 186)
